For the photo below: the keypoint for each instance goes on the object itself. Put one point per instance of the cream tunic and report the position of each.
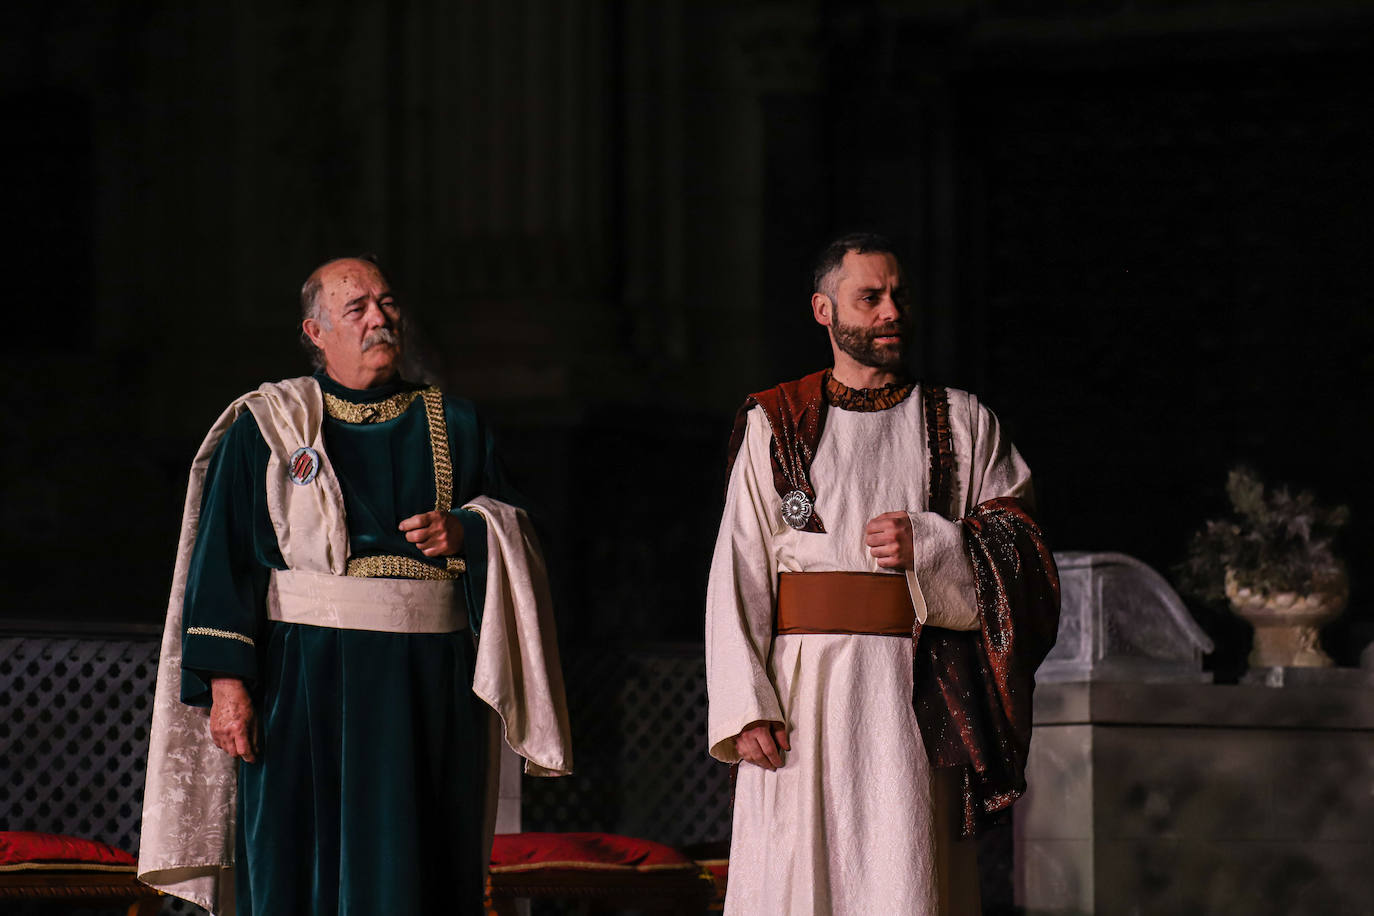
(844, 826)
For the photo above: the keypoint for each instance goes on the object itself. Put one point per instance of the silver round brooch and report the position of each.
(796, 509)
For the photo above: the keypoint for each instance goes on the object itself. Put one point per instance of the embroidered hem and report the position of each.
(222, 634)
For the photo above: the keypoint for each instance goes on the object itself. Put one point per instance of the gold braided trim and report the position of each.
(438, 443)
(376, 412)
(443, 465)
(393, 567)
(584, 865)
(73, 866)
(222, 634)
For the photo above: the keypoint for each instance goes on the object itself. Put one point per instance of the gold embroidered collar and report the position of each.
(375, 412)
(865, 400)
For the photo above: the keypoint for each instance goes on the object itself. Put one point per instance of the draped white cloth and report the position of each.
(845, 825)
(186, 847)
(187, 844)
(517, 672)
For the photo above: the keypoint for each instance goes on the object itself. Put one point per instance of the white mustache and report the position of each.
(381, 336)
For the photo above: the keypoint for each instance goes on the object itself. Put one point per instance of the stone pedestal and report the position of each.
(1288, 676)
(1198, 798)
(1121, 621)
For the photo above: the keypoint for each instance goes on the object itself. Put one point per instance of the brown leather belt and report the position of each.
(858, 603)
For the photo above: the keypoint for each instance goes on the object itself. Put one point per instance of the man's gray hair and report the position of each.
(310, 303)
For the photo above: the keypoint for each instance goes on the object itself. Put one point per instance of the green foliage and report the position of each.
(1272, 542)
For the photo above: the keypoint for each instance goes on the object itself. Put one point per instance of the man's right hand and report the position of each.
(759, 744)
(233, 724)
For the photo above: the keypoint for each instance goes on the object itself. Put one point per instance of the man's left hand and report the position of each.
(889, 540)
(437, 534)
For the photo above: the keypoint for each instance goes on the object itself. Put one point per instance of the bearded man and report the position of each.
(346, 537)
(878, 602)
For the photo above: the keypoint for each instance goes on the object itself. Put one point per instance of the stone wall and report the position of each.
(1134, 229)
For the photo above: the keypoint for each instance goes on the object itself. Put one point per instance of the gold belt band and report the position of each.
(855, 603)
(392, 567)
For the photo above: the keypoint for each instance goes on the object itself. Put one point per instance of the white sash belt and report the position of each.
(353, 603)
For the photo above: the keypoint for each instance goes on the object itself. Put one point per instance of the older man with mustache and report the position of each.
(878, 601)
(342, 531)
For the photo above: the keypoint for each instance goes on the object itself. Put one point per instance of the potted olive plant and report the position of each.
(1273, 560)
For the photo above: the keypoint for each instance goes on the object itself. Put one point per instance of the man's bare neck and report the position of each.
(856, 375)
(361, 380)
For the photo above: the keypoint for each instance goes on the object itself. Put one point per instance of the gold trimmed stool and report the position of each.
(51, 868)
(713, 858)
(600, 870)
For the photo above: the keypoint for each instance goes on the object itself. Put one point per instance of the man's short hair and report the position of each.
(310, 301)
(832, 256)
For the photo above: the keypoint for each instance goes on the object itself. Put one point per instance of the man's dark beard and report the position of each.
(858, 343)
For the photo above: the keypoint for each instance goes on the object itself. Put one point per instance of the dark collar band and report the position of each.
(865, 400)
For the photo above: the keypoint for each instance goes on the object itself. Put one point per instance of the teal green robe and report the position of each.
(368, 793)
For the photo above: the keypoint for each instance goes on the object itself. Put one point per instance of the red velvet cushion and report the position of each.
(583, 852)
(24, 850)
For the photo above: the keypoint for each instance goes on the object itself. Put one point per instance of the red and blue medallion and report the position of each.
(305, 464)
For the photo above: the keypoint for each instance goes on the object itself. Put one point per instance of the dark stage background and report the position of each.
(1139, 230)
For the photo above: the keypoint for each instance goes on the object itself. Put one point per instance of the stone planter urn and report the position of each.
(1287, 624)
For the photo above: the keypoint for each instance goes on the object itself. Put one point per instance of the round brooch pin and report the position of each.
(796, 509)
(305, 464)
